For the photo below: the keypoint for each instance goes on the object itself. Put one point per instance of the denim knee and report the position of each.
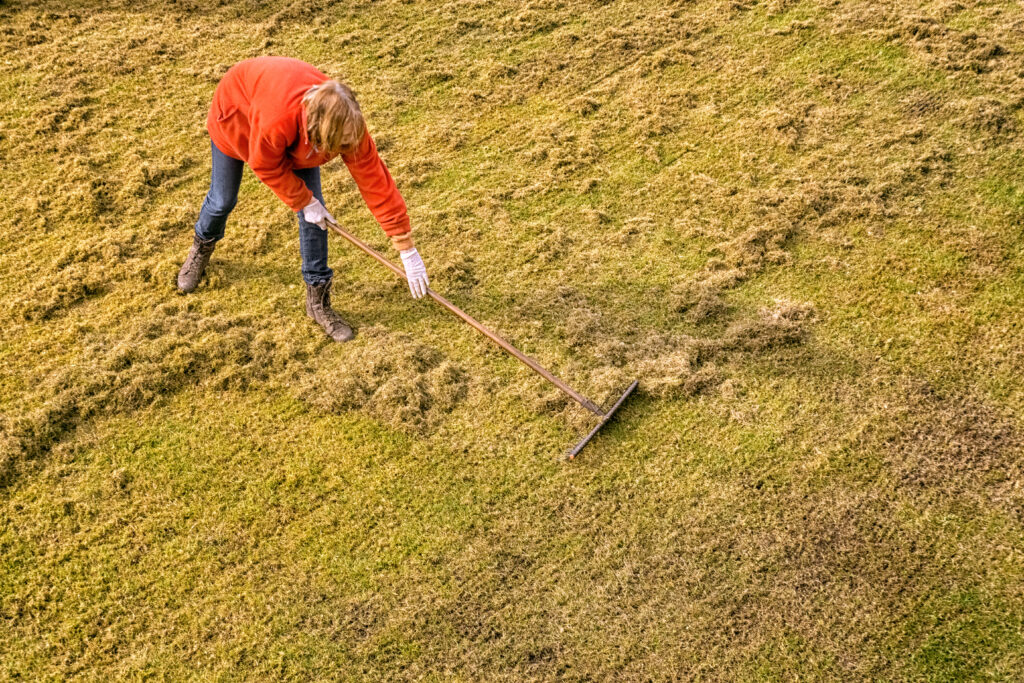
(219, 206)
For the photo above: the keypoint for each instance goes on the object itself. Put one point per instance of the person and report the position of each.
(285, 119)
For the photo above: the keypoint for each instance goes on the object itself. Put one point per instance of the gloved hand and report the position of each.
(415, 272)
(317, 214)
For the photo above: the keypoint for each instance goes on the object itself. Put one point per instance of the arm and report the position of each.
(386, 203)
(380, 192)
(268, 159)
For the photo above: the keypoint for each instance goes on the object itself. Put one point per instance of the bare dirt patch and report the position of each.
(954, 446)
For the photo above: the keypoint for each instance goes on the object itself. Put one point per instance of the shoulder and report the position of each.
(287, 65)
(274, 71)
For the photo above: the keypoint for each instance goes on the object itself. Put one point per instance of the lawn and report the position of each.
(797, 223)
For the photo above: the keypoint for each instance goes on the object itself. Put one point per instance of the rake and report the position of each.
(604, 415)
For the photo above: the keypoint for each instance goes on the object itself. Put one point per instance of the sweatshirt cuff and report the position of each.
(303, 203)
(402, 242)
(399, 226)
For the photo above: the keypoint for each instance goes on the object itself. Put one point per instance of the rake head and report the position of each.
(604, 420)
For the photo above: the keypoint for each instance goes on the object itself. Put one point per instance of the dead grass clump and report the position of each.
(210, 73)
(581, 327)
(32, 435)
(946, 47)
(667, 365)
(536, 18)
(82, 269)
(782, 325)
(228, 352)
(417, 172)
(677, 373)
(66, 113)
(685, 366)
(56, 292)
(390, 376)
(707, 303)
(603, 385)
(455, 271)
(734, 260)
(986, 114)
(553, 242)
(174, 349)
(563, 155)
(788, 125)
(303, 11)
(164, 175)
(584, 106)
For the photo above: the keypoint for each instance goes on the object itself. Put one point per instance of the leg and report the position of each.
(225, 178)
(315, 271)
(224, 181)
(313, 240)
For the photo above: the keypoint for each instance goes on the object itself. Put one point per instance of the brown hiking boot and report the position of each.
(318, 307)
(195, 263)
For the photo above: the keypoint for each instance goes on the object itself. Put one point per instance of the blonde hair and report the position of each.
(334, 120)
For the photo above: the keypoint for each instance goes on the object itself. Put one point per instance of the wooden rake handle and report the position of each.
(526, 360)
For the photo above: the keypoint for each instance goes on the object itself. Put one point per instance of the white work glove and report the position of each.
(415, 272)
(317, 214)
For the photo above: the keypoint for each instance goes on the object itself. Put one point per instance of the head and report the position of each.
(334, 120)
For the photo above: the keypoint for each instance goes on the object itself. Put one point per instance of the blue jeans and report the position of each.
(223, 195)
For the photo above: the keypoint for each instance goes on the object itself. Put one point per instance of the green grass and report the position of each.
(796, 223)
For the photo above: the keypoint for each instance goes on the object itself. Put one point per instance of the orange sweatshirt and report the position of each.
(257, 116)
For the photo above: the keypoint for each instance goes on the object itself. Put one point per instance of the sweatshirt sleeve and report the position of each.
(377, 187)
(268, 158)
